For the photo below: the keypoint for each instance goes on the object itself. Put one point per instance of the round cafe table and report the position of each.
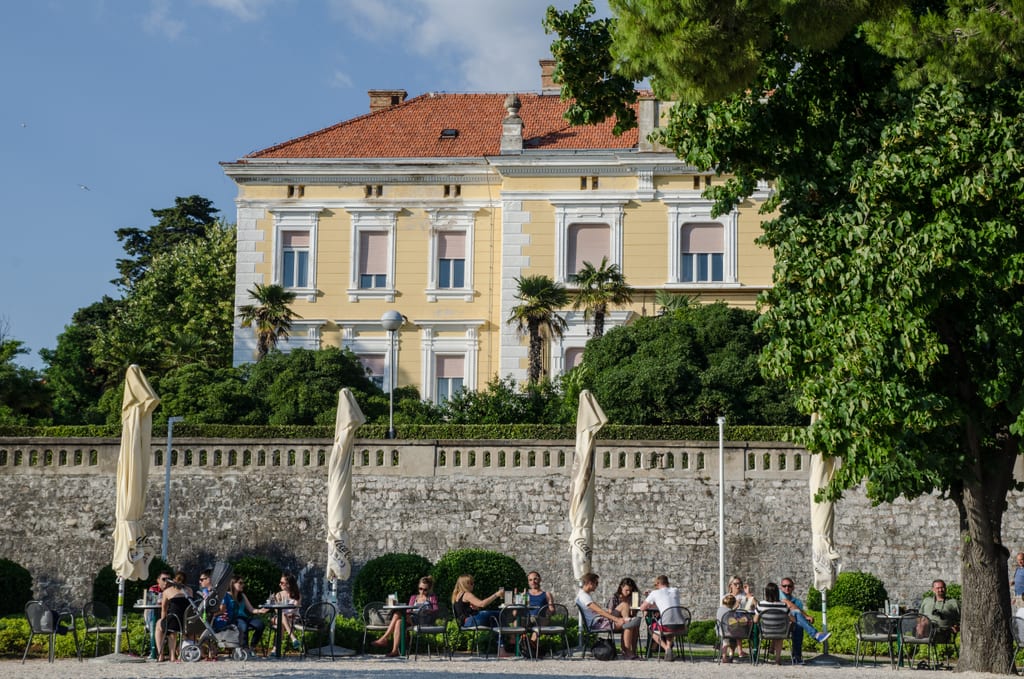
(150, 626)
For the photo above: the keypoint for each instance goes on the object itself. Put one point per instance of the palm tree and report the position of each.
(271, 317)
(670, 301)
(600, 287)
(541, 298)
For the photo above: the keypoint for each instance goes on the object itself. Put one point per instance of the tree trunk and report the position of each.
(536, 355)
(985, 641)
(599, 313)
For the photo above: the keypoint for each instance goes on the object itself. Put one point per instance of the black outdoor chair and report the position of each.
(430, 626)
(315, 623)
(42, 620)
(873, 628)
(735, 625)
(99, 621)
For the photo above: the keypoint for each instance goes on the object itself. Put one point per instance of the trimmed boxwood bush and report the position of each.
(104, 586)
(703, 632)
(260, 574)
(15, 587)
(490, 571)
(856, 589)
(389, 574)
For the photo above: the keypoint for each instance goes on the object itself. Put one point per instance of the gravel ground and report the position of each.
(397, 668)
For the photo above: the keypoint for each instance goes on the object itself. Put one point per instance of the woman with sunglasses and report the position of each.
(424, 600)
(289, 594)
(744, 601)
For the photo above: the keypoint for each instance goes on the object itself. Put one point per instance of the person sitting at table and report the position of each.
(622, 601)
(771, 600)
(153, 596)
(424, 600)
(539, 602)
(469, 609)
(598, 619)
(802, 621)
(744, 600)
(729, 645)
(174, 601)
(662, 598)
(290, 595)
(944, 614)
(237, 610)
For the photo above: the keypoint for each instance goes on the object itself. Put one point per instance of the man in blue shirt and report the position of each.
(1018, 576)
(804, 621)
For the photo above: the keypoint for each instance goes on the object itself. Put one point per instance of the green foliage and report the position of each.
(859, 591)
(261, 577)
(688, 366)
(490, 571)
(186, 221)
(104, 585)
(388, 574)
(702, 632)
(599, 288)
(15, 587)
(540, 299)
(301, 387)
(842, 622)
(504, 402)
(24, 396)
(203, 394)
(271, 316)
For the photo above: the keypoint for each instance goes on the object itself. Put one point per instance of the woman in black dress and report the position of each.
(174, 601)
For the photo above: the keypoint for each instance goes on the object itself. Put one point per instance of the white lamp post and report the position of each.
(392, 321)
(721, 504)
(167, 486)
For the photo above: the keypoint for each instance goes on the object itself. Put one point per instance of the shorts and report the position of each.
(601, 625)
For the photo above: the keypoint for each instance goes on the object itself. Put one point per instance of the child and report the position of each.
(728, 645)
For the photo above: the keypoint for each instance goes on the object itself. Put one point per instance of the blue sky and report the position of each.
(139, 100)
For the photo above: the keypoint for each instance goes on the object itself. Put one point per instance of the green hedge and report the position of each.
(389, 574)
(15, 587)
(611, 432)
(490, 571)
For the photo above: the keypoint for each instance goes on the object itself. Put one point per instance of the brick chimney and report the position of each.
(382, 99)
(547, 83)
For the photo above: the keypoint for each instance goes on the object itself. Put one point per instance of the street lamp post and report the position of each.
(392, 321)
(721, 505)
(167, 485)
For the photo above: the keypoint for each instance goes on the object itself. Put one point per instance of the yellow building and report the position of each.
(434, 205)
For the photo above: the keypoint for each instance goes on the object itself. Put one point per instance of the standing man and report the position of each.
(1018, 578)
(662, 598)
(804, 621)
(597, 618)
(944, 613)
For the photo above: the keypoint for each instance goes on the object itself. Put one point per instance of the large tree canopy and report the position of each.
(891, 136)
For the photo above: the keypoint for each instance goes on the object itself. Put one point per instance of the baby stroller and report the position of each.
(199, 628)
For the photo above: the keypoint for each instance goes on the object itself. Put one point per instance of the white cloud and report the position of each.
(159, 21)
(493, 46)
(341, 79)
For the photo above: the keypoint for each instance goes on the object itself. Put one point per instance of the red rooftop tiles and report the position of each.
(413, 130)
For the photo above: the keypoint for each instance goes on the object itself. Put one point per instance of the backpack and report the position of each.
(603, 649)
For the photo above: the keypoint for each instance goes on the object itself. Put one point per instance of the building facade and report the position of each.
(433, 206)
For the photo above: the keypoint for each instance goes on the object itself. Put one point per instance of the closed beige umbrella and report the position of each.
(824, 556)
(589, 421)
(339, 488)
(129, 562)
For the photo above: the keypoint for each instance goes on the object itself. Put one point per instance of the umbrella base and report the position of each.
(339, 651)
(119, 658)
(825, 660)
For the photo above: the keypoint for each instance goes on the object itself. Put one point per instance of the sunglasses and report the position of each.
(423, 589)
(787, 586)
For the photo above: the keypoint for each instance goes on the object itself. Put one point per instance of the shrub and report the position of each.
(388, 574)
(703, 632)
(860, 591)
(490, 571)
(104, 586)
(261, 577)
(15, 587)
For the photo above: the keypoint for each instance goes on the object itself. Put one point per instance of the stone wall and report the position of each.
(657, 511)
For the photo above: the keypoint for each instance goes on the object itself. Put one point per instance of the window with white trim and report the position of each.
(573, 357)
(373, 253)
(586, 243)
(294, 254)
(451, 375)
(373, 259)
(450, 254)
(702, 253)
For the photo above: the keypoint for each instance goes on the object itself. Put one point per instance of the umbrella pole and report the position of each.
(825, 659)
(120, 614)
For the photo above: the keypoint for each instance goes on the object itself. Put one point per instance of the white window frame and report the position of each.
(295, 219)
(450, 220)
(683, 213)
(368, 337)
(437, 380)
(372, 219)
(466, 344)
(602, 211)
(304, 334)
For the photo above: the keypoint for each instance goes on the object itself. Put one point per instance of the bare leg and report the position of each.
(392, 630)
(160, 640)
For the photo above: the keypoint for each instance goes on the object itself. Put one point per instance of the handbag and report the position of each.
(603, 649)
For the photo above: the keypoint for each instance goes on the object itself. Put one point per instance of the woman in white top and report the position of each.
(744, 600)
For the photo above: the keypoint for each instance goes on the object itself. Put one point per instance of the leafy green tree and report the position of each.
(600, 287)
(896, 306)
(301, 387)
(72, 372)
(686, 367)
(202, 394)
(271, 317)
(537, 314)
(24, 397)
(187, 220)
(502, 401)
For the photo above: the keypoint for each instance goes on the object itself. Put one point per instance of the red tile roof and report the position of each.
(413, 130)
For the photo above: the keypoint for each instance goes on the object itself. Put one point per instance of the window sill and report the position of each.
(386, 294)
(465, 294)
